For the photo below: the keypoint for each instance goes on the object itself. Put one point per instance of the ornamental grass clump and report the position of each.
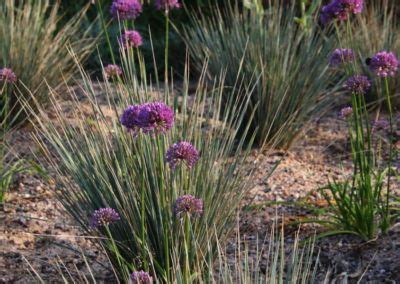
(148, 160)
(287, 62)
(276, 259)
(34, 44)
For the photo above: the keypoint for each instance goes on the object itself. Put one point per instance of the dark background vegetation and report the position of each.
(150, 19)
(154, 20)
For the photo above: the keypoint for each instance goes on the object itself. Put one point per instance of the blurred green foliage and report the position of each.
(150, 20)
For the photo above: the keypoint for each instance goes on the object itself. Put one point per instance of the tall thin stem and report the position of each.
(103, 23)
(166, 51)
(389, 104)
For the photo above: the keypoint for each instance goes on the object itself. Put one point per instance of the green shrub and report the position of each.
(288, 61)
(33, 45)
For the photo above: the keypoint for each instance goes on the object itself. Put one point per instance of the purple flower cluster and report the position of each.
(358, 84)
(153, 117)
(340, 9)
(384, 64)
(341, 56)
(188, 204)
(129, 118)
(7, 75)
(345, 112)
(125, 9)
(182, 152)
(112, 71)
(167, 4)
(157, 117)
(130, 39)
(381, 124)
(104, 216)
(141, 277)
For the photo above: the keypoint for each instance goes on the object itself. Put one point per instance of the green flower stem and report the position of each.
(165, 206)
(106, 31)
(143, 220)
(187, 245)
(166, 52)
(4, 111)
(114, 247)
(389, 105)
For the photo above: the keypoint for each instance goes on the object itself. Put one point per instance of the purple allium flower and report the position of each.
(129, 118)
(353, 6)
(188, 204)
(326, 15)
(381, 124)
(167, 4)
(125, 9)
(131, 39)
(104, 216)
(341, 56)
(7, 75)
(358, 84)
(155, 117)
(141, 277)
(346, 112)
(384, 64)
(182, 152)
(112, 71)
(340, 9)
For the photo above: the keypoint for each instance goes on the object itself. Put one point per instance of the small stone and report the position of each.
(21, 221)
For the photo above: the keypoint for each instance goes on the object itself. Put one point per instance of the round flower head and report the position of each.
(358, 84)
(326, 15)
(341, 56)
(129, 118)
(155, 117)
(112, 71)
(384, 64)
(7, 75)
(188, 204)
(131, 39)
(346, 112)
(340, 9)
(349, 7)
(167, 4)
(141, 277)
(381, 124)
(125, 9)
(104, 216)
(182, 152)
